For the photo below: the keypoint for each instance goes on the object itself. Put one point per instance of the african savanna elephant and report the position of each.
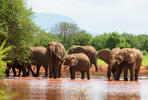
(78, 62)
(122, 58)
(133, 59)
(55, 64)
(39, 57)
(90, 51)
(13, 65)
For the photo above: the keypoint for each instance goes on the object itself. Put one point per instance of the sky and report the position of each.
(99, 16)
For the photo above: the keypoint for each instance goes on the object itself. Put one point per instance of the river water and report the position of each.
(30, 88)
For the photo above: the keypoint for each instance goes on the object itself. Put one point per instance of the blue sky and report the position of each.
(99, 16)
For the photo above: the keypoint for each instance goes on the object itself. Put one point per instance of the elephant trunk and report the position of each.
(96, 65)
(54, 54)
(109, 72)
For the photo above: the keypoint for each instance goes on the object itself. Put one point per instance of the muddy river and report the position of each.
(31, 88)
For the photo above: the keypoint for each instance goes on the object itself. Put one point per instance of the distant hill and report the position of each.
(47, 20)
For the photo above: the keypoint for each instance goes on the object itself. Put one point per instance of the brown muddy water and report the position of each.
(31, 88)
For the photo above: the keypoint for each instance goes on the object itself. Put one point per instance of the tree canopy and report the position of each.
(17, 27)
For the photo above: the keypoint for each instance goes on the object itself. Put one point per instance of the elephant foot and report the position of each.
(131, 79)
(126, 79)
(55, 77)
(72, 78)
(15, 76)
(27, 73)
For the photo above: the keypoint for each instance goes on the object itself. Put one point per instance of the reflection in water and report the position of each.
(66, 89)
(123, 90)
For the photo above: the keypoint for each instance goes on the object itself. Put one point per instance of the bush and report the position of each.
(3, 55)
(144, 52)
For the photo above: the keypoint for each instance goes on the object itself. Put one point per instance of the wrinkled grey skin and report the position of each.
(13, 65)
(122, 59)
(38, 58)
(90, 51)
(78, 62)
(132, 61)
(54, 63)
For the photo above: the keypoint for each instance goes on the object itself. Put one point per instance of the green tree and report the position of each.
(66, 32)
(116, 40)
(17, 27)
(43, 38)
(143, 41)
(99, 42)
(82, 39)
(132, 40)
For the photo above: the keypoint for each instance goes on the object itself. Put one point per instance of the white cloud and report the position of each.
(100, 16)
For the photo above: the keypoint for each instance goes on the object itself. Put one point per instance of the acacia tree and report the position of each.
(66, 31)
(17, 27)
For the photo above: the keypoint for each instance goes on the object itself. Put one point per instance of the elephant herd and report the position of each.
(79, 58)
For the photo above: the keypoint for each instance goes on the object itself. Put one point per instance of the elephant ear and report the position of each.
(74, 61)
(105, 55)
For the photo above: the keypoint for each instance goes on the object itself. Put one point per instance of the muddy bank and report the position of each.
(101, 71)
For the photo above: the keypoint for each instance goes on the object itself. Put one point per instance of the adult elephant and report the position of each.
(132, 61)
(54, 63)
(90, 51)
(39, 57)
(123, 58)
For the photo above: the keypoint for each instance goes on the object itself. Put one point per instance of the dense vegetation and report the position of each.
(75, 36)
(20, 32)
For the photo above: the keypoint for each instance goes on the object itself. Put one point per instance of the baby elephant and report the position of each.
(78, 62)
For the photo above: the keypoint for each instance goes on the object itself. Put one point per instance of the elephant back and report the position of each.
(90, 51)
(38, 53)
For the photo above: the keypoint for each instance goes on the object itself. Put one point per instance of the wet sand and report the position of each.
(31, 88)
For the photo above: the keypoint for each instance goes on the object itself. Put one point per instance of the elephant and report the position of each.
(122, 58)
(39, 57)
(13, 65)
(55, 64)
(133, 60)
(78, 62)
(90, 51)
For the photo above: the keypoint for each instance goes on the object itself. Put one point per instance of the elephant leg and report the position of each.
(38, 70)
(20, 70)
(46, 70)
(50, 70)
(72, 72)
(59, 70)
(114, 71)
(24, 71)
(30, 69)
(82, 73)
(125, 73)
(136, 74)
(132, 72)
(14, 72)
(118, 73)
(55, 69)
(109, 72)
(7, 72)
(88, 76)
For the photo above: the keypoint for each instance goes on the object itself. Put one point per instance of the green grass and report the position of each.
(144, 62)
(101, 62)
